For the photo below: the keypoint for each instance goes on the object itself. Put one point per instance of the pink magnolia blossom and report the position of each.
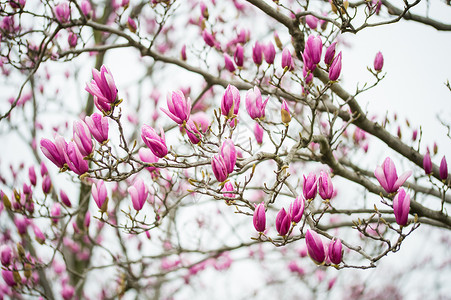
(401, 207)
(75, 160)
(311, 21)
(179, 107)
(257, 53)
(427, 163)
(138, 193)
(443, 169)
(228, 63)
(325, 186)
(230, 101)
(239, 56)
(283, 222)
(156, 143)
(335, 251)
(310, 187)
(103, 88)
(62, 12)
(315, 247)
(254, 105)
(228, 153)
(228, 187)
(330, 54)
(55, 152)
(32, 175)
(378, 62)
(269, 52)
(65, 199)
(335, 68)
(82, 138)
(219, 167)
(296, 210)
(99, 193)
(258, 133)
(313, 48)
(98, 126)
(388, 178)
(259, 218)
(287, 60)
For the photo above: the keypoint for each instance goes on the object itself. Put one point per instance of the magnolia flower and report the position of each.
(388, 178)
(259, 218)
(179, 107)
(315, 247)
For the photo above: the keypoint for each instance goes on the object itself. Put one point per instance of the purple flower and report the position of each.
(335, 68)
(313, 48)
(378, 62)
(254, 105)
(67, 292)
(401, 207)
(427, 163)
(270, 53)
(46, 184)
(86, 8)
(228, 187)
(193, 132)
(258, 133)
(62, 12)
(152, 140)
(100, 195)
(82, 138)
(65, 199)
(138, 192)
(54, 151)
(259, 218)
(311, 21)
(98, 126)
(230, 101)
(103, 88)
(21, 224)
(287, 60)
(228, 153)
(283, 222)
(330, 54)
(325, 187)
(257, 54)
(315, 247)
(74, 159)
(5, 255)
(8, 277)
(335, 251)
(72, 40)
(296, 210)
(310, 187)
(179, 107)
(228, 63)
(219, 167)
(443, 169)
(32, 175)
(239, 55)
(388, 178)
(208, 38)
